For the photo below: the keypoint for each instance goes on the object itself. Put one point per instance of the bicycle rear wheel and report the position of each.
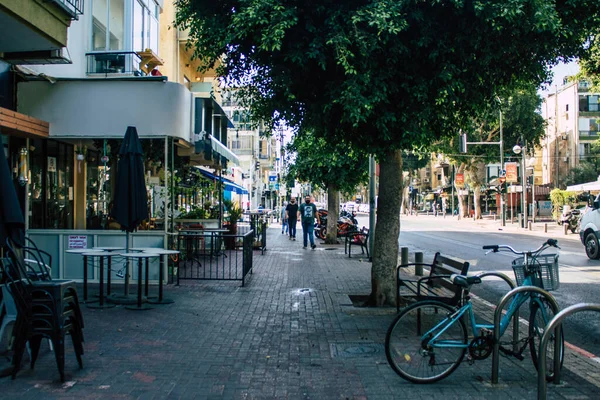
(541, 314)
(408, 345)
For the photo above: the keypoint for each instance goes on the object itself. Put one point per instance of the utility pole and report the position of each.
(502, 194)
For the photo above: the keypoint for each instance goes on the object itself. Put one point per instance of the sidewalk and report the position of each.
(290, 333)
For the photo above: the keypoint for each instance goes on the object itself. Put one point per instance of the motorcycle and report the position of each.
(345, 225)
(571, 218)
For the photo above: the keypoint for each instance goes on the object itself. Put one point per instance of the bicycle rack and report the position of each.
(512, 285)
(556, 321)
(498, 313)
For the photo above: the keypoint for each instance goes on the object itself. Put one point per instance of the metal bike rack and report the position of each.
(556, 321)
(512, 285)
(498, 313)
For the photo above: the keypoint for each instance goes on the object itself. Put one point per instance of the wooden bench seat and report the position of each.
(435, 285)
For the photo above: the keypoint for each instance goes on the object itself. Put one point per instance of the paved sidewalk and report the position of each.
(290, 333)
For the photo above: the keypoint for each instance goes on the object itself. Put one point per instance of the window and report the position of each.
(108, 25)
(588, 103)
(138, 26)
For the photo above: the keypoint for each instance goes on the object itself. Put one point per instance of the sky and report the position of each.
(560, 71)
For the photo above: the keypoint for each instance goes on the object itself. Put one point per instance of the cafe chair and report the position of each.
(45, 309)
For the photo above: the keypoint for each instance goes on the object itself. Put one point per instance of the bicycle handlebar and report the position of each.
(494, 248)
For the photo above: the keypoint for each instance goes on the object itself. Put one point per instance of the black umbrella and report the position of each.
(130, 203)
(12, 223)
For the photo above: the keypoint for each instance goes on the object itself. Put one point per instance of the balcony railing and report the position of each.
(72, 7)
(113, 63)
(588, 135)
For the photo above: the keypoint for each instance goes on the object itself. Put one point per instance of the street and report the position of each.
(464, 239)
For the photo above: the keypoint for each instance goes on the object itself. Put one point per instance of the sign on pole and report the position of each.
(459, 180)
(511, 172)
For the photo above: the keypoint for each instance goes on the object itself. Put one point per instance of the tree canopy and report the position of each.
(323, 163)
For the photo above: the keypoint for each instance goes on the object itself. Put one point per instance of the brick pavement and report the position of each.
(291, 333)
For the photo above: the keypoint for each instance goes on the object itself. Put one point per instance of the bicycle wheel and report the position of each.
(408, 347)
(541, 314)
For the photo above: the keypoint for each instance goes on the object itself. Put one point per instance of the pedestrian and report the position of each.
(291, 213)
(284, 224)
(308, 212)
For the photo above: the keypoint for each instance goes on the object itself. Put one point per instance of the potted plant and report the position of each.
(235, 213)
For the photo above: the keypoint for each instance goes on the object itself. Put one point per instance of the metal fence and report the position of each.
(214, 256)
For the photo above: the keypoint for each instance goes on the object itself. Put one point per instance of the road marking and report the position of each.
(571, 346)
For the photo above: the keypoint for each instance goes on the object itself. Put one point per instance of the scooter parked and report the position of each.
(571, 218)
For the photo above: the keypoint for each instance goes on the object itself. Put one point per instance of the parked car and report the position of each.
(589, 230)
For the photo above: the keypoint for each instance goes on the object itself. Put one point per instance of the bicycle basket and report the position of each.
(542, 268)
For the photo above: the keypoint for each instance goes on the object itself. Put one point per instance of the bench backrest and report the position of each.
(447, 266)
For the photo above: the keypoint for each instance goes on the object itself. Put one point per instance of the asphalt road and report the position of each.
(579, 276)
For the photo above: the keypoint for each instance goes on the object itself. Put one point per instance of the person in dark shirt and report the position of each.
(291, 213)
(308, 213)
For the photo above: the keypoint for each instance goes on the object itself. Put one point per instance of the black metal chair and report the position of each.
(45, 309)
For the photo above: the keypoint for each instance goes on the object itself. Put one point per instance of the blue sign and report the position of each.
(272, 178)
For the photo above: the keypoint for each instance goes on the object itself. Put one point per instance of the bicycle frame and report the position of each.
(476, 328)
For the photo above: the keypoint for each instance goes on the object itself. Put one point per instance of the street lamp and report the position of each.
(517, 149)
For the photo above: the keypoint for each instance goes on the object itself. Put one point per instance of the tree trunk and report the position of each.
(463, 207)
(387, 230)
(477, 201)
(333, 212)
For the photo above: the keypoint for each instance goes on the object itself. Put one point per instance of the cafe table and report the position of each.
(83, 252)
(162, 253)
(140, 257)
(101, 255)
(114, 250)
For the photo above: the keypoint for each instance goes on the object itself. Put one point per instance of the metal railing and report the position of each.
(214, 256)
(113, 62)
(548, 332)
(72, 7)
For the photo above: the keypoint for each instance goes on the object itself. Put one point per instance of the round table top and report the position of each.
(78, 251)
(108, 248)
(96, 254)
(155, 250)
(139, 255)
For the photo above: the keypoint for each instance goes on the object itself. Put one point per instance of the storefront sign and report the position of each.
(545, 208)
(511, 172)
(459, 180)
(77, 242)
(51, 164)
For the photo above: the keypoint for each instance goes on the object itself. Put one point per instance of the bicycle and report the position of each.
(428, 340)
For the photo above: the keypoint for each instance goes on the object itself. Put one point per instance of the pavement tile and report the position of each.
(271, 339)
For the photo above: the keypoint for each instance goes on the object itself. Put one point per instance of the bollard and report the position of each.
(529, 224)
(403, 255)
(519, 220)
(545, 228)
(419, 259)
(566, 228)
(494, 217)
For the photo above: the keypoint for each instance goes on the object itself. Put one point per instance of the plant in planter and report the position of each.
(235, 213)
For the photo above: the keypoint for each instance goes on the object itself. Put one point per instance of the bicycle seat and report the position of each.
(464, 281)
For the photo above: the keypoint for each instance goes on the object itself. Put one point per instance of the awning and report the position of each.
(228, 185)
(221, 149)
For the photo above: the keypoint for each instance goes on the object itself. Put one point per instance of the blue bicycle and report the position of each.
(429, 339)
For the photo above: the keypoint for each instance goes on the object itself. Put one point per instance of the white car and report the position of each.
(589, 231)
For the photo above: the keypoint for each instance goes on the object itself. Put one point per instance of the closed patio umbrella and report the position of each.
(12, 223)
(130, 203)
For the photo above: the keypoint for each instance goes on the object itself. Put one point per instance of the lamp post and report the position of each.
(517, 149)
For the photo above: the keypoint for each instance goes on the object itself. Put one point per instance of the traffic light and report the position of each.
(257, 165)
(462, 143)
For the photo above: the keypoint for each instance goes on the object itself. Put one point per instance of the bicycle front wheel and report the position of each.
(423, 344)
(541, 314)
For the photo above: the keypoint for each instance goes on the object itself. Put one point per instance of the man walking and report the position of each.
(283, 216)
(308, 212)
(291, 213)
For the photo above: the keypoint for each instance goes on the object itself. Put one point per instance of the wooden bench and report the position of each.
(433, 287)
(360, 238)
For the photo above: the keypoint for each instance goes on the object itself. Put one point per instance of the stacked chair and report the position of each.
(46, 307)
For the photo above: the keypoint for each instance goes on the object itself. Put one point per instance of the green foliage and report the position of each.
(560, 198)
(590, 64)
(195, 213)
(323, 162)
(583, 173)
(383, 74)
(235, 212)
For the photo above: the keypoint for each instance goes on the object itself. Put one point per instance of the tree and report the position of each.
(522, 124)
(334, 166)
(384, 75)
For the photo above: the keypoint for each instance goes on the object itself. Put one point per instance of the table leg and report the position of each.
(101, 304)
(161, 271)
(85, 271)
(139, 305)
(108, 274)
(146, 278)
